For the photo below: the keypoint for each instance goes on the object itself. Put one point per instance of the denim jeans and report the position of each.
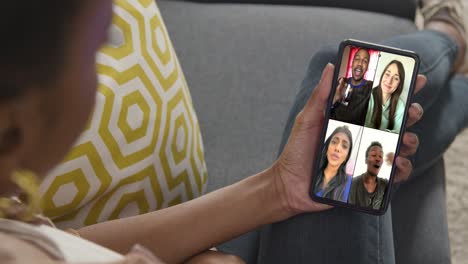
(414, 229)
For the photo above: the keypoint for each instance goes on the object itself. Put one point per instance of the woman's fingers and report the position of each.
(410, 140)
(318, 101)
(409, 145)
(415, 113)
(141, 255)
(420, 82)
(404, 169)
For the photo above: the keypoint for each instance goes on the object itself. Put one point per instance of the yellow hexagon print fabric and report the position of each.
(142, 149)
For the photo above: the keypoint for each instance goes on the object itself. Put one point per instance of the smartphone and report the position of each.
(364, 124)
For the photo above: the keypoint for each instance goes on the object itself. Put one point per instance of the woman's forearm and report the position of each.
(181, 231)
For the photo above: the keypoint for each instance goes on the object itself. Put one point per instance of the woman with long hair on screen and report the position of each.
(333, 182)
(386, 109)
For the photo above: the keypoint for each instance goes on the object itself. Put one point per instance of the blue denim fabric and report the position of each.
(343, 236)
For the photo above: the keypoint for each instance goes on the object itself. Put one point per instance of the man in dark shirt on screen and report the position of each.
(352, 94)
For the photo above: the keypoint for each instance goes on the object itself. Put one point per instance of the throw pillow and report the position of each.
(142, 149)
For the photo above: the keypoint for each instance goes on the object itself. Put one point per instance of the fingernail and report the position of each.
(139, 249)
(136, 247)
(420, 109)
(406, 163)
(414, 139)
(325, 70)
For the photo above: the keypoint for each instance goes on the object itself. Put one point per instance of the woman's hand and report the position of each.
(272, 195)
(214, 257)
(389, 158)
(140, 255)
(294, 167)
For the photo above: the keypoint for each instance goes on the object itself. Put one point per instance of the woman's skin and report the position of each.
(336, 154)
(390, 82)
(49, 119)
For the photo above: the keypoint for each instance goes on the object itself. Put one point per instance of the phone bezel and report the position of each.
(388, 192)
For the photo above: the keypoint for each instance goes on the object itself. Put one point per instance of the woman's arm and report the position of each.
(176, 233)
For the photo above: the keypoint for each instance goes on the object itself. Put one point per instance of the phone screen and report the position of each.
(366, 117)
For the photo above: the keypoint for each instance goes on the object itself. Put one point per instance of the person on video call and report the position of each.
(333, 182)
(367, 190)
(386, 109)
(350, 105)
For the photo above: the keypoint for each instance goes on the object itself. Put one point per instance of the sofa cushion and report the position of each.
(142, 149)
(244, 64)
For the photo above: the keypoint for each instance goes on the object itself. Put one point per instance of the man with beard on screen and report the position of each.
(367, 190)
(352, 94)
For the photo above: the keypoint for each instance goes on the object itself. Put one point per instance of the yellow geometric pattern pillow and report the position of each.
(142, 149)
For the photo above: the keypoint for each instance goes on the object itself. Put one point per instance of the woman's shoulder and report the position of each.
(400, 105)
(349, 179)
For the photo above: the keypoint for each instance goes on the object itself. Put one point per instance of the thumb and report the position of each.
(303, 139)
(318, 101)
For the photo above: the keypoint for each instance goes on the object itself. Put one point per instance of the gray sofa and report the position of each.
(244, 64)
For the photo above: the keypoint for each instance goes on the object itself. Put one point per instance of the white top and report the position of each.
(58, 243)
